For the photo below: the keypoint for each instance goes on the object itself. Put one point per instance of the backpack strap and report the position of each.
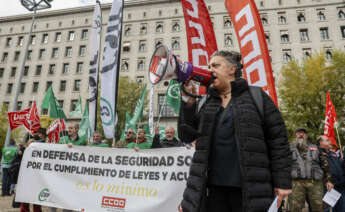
(256, 94)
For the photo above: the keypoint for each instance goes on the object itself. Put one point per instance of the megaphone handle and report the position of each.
(187, 93)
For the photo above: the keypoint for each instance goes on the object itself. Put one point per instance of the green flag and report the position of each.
(173, 97)
(77, 110)
(138, 112)
(127, 126)
(51, 103)
(84, 129)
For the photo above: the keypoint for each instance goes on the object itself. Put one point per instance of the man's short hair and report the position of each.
(12, 142)
(301, 129)
(234, 58)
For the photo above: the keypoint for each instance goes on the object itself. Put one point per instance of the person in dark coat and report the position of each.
(168, 141)
(242, 158)
(335, 164)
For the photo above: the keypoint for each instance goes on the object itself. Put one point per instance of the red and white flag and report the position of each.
(256, 61)
(331, 118)
(32, 123)
(201, 39)
(18, 118)
(54, 130)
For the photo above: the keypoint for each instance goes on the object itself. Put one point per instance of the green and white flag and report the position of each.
(50, 102)
(95, 44)
(109, 73)
(77, 112)
(127, 126)
(138, 112)
(173, 95)
(84, 129)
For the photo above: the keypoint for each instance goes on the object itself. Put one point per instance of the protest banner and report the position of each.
(103, 179)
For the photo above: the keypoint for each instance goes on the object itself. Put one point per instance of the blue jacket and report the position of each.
(336, 166)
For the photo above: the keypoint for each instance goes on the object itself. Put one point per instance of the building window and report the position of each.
(142, 45)
(287, 55)
(16, 56)
(19, 105)
(143, 29)
(176, 27)
(306, 53)
(341, 14)
(13, 71)
(52, 69)
(176, 11)
(49, 84)
(129, 16)
(160, 12)
(159, 27)
(9, 88)
(8, 42)
(35, 87)
(29, 55)
(2, 70)
(22, 87)
(124, 65)
(65, 68)
(68, 52)
(38, 70)
(268, 37)
(175, 43)
(163, 107)
(41, 53)
(304, 34)
(73, 104)
(342, 30)
(261, 4)
(58, 37)
(71, 35)
(126, 46)
(284, 36)
(44, 111)
(141, 64)
(227, 22)
(329, 55)
(321, 16)
(55, 52)
(60, 102)
(128, 29)
(84, 34)
(301, 17)
(62, 85)
(45, 38)
(33, 39)
(76, 86)
(26, 71)
(79, 67)
(144, 14)
(82, 51)
(228, 40)
(4, 57)
(158, 42)
(324, 33)
(140, 79)
(282, 18)
(20, 41)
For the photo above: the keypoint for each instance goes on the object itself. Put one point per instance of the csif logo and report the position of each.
(43, 195)
(113, 202)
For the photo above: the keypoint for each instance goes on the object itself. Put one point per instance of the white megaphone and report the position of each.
(165, 65)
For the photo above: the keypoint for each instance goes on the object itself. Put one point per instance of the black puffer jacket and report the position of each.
(265, 157)
(165, 143)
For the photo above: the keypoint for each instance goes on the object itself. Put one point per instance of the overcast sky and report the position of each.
(14, 7)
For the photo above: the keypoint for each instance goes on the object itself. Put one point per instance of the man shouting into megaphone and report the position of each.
(242, 159)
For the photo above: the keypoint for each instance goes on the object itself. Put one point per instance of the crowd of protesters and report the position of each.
(242, 152)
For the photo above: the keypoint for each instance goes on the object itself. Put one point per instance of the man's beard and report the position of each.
(301, 142)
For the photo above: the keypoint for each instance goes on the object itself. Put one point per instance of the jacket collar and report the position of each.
(237, 88)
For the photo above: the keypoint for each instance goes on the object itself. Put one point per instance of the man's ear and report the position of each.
(232, 71)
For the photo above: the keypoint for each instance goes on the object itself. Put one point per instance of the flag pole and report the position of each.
(98, 62)
(161, 110)
(336, 129)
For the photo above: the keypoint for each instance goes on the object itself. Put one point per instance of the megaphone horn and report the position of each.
(165, 65)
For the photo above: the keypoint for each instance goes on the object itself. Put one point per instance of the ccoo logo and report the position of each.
(43, 195)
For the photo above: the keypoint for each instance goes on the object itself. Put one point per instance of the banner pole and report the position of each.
(161, 110)
(336, 129)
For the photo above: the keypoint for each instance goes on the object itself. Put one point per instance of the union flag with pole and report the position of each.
(331, 118)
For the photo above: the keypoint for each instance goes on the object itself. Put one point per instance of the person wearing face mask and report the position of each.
(310, 169)
(242, 157)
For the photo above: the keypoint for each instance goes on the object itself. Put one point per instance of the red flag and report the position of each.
(200, 35)
(32, 123)
(257, 68)
(18, 118)
(54, 130)
(331, 118)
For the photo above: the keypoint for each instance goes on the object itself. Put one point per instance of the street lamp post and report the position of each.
(31, 5)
